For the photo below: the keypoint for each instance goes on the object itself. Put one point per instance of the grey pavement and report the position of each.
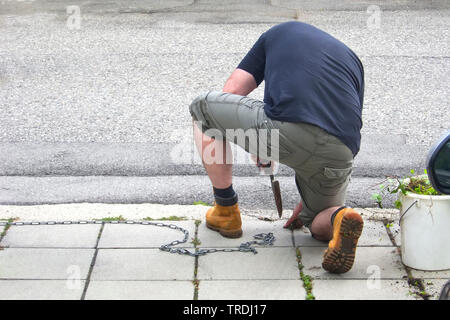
(94, 122)
(110, 98)
(123, 261)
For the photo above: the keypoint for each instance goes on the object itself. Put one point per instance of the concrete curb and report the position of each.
(89, 211)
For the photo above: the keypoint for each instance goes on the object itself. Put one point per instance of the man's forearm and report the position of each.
(240, 82)
(232, 87)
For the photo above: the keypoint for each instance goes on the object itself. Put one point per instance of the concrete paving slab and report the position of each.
(142, 264)
(383, 262)
(270, 263)
(145, 236)
(140, 290)
(54, 236)
(361, 290)
(21, 263)
(251, 290)
(250, 227)
(302, 237)
(374, 234)
(434, 287)
(41, 290)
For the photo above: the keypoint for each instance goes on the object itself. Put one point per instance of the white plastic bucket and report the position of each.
(425, 231)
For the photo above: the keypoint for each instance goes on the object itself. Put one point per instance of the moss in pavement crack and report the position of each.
(196, 242)
(201, 203)
(417, 286)
(307, 280)
(5, 230)
(106, 219)
(171, 218)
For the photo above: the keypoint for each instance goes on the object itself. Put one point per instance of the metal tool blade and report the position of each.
(277, 194)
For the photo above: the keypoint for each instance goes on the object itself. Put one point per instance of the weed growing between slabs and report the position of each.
(5, 230)
(307, 280)
(171, 218)
(414, 184)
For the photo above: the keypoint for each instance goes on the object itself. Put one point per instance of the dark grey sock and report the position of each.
(225, 197)
(225, 193)
(335, 213)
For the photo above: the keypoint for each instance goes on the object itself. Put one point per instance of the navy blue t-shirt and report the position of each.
(309, 77)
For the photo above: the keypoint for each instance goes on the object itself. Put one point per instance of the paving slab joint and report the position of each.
(416, 285)
(94, 258)
(5, 230)
(196, 242)
(306, 279)
(387, 224)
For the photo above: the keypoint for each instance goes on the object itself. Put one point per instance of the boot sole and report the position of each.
(340, 258)
(226, 233)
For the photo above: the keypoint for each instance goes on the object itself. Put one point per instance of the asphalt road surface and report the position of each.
(94, 95)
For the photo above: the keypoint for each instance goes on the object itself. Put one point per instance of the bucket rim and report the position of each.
(413, 195)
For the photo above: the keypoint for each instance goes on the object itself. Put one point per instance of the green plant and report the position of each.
(170, 218)
(196, 242)
(201, 203)
(310, 296)
(106, 219)
(6, 228)
(307, 280)
(418, 184)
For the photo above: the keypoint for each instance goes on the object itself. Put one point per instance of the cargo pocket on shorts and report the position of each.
(330, 181)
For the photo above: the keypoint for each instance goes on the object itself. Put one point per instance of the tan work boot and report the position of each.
(340, 255)
(225, 219)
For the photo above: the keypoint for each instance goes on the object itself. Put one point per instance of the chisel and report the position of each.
(275, 187)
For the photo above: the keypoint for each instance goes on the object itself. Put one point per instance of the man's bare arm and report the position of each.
(240, 82)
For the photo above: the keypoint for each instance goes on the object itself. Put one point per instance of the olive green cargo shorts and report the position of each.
(322, 163)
